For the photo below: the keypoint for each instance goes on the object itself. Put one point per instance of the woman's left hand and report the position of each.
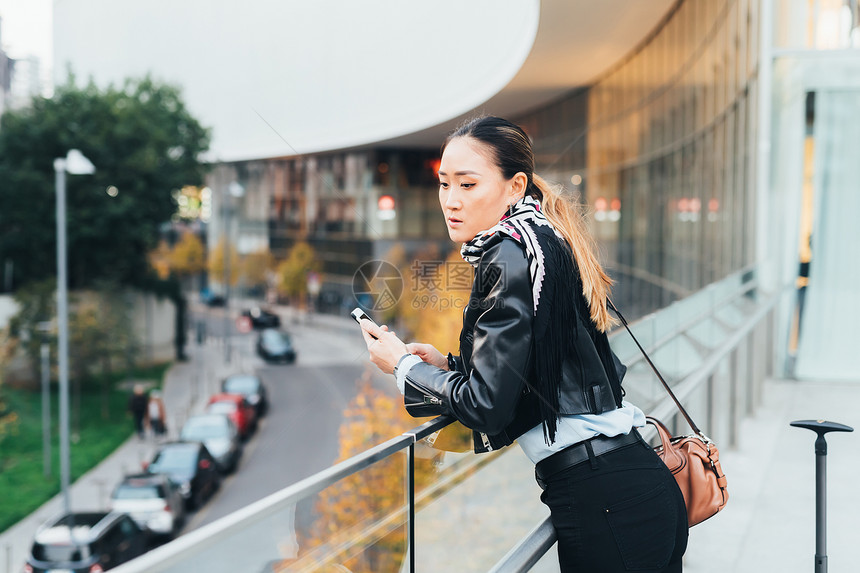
(386, 350)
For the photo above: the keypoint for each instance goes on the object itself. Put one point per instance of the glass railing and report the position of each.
(423, 498)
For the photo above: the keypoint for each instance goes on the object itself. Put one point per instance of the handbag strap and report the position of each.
(657, 372)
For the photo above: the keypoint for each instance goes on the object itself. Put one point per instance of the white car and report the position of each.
(153, 502)
(220, 437)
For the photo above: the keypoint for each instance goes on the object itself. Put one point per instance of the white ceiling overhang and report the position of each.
(295, 76)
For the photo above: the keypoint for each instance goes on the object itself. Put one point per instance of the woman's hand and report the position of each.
(386, 350)
(429, 354)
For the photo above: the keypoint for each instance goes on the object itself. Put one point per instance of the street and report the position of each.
(299, 435)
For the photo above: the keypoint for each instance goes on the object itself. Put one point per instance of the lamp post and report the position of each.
(73, 163)
(235, 190)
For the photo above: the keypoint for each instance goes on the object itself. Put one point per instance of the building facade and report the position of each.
(705, 138)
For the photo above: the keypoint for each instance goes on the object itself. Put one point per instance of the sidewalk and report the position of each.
(769, 522)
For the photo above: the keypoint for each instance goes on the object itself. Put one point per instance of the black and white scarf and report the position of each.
(553, 273)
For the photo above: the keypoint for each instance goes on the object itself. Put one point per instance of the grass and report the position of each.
(23, 485)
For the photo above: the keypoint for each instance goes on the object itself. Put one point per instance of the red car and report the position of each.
(237, 408)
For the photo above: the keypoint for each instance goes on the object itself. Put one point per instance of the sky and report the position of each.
(26, 30)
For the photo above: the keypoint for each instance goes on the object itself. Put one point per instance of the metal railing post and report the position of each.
(411, 492)
(733, 398)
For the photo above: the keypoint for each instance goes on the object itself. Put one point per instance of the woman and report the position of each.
(535, 363)
(155, 414)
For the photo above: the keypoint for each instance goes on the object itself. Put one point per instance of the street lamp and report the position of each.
(73, 163)
(235, 191)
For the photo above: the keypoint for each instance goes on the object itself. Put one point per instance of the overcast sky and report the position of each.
(26, 29)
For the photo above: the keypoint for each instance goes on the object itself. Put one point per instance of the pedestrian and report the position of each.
(137, 404)
(535, 364)
(155, 414)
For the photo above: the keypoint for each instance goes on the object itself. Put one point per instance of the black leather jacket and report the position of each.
(490, 386)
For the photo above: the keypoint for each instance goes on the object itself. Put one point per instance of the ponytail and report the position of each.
(568, 220)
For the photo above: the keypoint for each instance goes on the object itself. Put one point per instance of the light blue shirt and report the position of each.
(578, 428)
(570, 430)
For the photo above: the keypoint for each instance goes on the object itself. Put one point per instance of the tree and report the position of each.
(187, 258)
(256, 267)
(293, 272)
(159, 260)
(100, 337)
(144, 144)
(37, 306)
(217, 263)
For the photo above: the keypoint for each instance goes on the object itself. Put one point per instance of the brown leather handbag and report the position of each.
(694, 459)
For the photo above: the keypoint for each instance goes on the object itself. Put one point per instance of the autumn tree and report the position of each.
(293, 272)
(159, 260)
(218, 266)
(187, 258)
(256, 268)
(8, 346)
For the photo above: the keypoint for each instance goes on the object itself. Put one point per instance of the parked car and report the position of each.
(220, 437)
(249, 386)
(153, 501)
(85, 543)
(215, 300)
(190, 465)
(238, 409)
(262, 318)
(275, 346)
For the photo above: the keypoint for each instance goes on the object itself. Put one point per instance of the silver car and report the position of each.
(153, 502)
(220, 437)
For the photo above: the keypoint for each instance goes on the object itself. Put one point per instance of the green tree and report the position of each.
(144, 144)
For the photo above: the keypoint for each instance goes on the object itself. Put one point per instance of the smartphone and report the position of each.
(359, 315)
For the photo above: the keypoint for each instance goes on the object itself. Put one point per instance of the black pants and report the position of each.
(138, 424)
(621, 511)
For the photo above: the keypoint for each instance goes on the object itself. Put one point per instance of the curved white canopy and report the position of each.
(276, 78)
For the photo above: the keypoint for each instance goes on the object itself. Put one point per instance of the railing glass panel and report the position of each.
(357, 524)
(482, 507)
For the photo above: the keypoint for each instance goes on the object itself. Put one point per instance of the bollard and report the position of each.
(821, 427)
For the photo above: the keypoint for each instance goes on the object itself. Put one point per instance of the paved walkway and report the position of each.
(769, 522)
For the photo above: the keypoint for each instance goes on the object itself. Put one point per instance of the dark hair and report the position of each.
(509, 144)
(512, 153)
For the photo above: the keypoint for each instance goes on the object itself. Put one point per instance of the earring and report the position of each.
(510, 210)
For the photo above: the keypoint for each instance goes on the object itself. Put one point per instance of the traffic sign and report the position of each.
(243, 324)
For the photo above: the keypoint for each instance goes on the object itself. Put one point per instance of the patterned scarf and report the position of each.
(552, 272)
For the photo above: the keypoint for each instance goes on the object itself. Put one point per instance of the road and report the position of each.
(299, 435)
